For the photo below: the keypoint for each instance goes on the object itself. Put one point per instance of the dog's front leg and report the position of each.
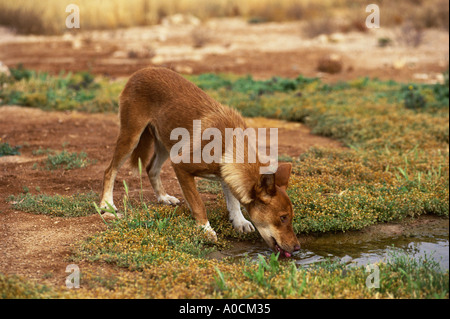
(194, 201)
(235, 214)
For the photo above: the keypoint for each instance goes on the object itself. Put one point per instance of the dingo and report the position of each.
(156, 101)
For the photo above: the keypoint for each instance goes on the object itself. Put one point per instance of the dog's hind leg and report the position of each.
(160, 155)
(126, 142)
(235, 214)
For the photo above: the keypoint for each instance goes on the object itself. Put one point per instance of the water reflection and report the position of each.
(429, 240)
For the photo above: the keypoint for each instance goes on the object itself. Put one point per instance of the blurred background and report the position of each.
(328, 39)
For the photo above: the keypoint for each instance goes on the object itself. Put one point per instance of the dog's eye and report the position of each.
(283, 218)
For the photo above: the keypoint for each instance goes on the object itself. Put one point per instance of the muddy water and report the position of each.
(424, 236)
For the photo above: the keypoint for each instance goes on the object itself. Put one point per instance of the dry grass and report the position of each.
(48, 16)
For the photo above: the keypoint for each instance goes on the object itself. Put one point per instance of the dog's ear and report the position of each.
(282, 175)
(265, 187)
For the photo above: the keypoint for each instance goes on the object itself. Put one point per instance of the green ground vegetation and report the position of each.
(149, 258)
(156, 251)
(55, 205)
(6, 149)
(62, 159)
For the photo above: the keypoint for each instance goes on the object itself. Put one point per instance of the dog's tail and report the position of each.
(142, 150)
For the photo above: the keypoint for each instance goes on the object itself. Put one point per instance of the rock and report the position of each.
(180, 19)
(440, 78)
(158, 59)
(120, 55)
(336, 37)
(162, 37)
(330, 64)
(141, 52)
(421, 76)
(322, 39)
(111, 215)
(186, 69)
(77, 44)
(399, 64)
(4, 69)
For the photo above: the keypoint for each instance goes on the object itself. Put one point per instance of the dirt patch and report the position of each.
(37, 246)
(233, 45)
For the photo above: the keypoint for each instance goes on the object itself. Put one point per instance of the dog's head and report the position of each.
(271, 211)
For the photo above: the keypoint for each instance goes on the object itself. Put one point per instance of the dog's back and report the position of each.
(165, 101)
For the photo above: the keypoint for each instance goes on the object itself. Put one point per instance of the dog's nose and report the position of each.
(296, 247)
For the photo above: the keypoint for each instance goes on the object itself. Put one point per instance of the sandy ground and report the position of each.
(233, 45)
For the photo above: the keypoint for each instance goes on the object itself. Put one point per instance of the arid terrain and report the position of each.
(37, 246)
(233, 45)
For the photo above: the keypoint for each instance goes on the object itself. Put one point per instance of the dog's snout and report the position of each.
(296, 247)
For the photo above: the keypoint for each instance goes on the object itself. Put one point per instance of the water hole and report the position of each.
(426, 236)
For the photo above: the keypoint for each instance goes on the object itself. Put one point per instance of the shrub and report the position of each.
(6, 149)
(413, 99)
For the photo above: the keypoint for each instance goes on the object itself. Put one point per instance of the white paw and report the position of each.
(242, 225)
(210, 233)
(169, 200)
(111, 215)
(107, 206)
